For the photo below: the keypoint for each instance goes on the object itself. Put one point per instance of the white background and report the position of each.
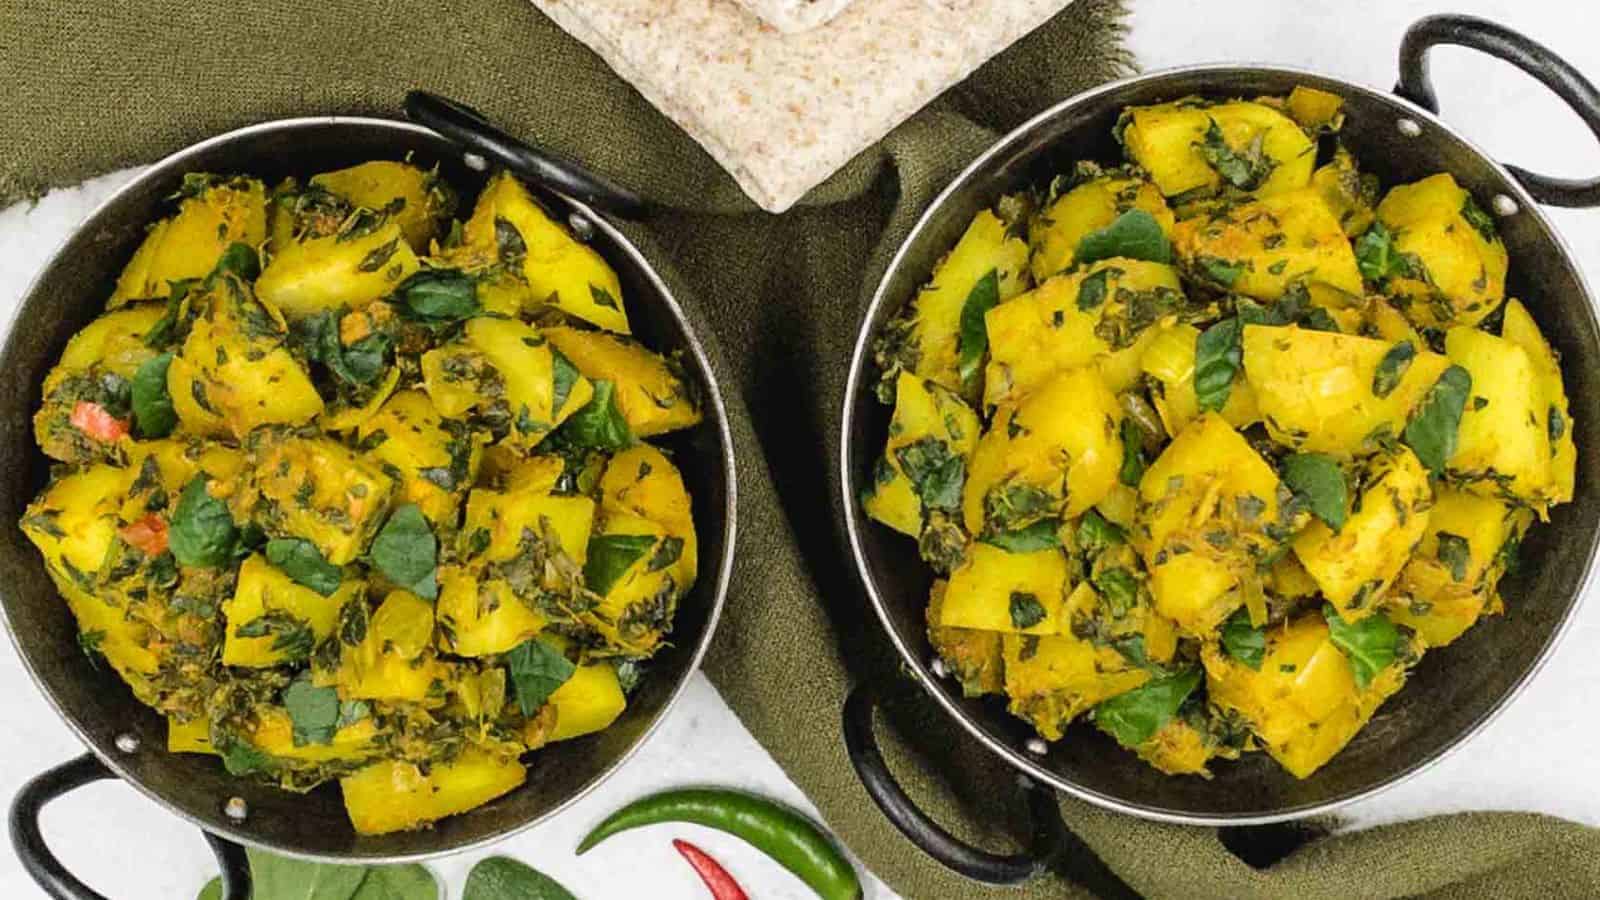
(1539, 755)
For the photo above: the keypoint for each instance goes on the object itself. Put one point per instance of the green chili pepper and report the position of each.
(782, 834)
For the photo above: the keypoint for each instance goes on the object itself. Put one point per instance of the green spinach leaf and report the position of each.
(1245, 170)
(1218, 356)
(1455, 554)
(1041, 535)
(536, 670)
(1480, 221)
(1392, 368)
(407, 553)
(1133, 463)
(281, 878)
(1244, 642)
(438, 295)
(563, 375)
(1093, 288)
(1370, 644)
(1432, 431)
(152, 405)
(1319, 481)
(1378, 259)
(1095, 533)
(973, 339)
(937, 474)
(202, 532)
(303, 563)
(313, 711)
(599, 425)
(610, 557)
(1135, 717)
(502, 878)
(1133, 235)
(1026, 610)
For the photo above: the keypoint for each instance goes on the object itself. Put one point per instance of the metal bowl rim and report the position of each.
(859, 359)
(730, 512)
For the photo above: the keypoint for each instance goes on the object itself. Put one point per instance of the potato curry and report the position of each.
(352, 491)
(1210, 446)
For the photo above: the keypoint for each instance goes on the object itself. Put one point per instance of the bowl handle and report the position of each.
(1526, 54)
(1049, 833)
(48, 871)
(467, 127)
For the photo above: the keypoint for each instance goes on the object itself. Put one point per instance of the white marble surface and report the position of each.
(1537, 756)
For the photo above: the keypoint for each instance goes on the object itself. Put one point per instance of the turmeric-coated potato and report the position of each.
(1191, 148)
(214, 214)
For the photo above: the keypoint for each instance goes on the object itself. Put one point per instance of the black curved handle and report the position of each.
(468, 127)
(1526, 54)
(1049, 832)
(48, 871)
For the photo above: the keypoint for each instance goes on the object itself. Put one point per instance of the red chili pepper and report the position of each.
(93, 420)
(149, 534)
(722, 885)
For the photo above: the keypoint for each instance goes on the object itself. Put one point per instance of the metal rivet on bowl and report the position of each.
(236, 809)
(1504, 206)
(1409, 128)
(474, 161)
(939, 671)
(127, 742)
(582, 228)
(1037, 746)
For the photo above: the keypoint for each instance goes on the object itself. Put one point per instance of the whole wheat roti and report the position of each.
(783, 111)
(790, 16)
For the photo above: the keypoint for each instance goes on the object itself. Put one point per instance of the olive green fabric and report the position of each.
(93, 86)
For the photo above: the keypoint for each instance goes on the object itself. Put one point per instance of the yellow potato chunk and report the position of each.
(1303, 703)
(316, 489)
(1347, 193)
(1054, 234)
(193, 736)
(1503, 445)
(1053, 679)
(509, 226)
(1102, 316)
(1437, 225)
(74, 521)
(926, 339)
(1260, 248)
(1520, 329)
(1209, 512)
(931, 438)
(394, 660)
(1355, 566)
(214, 214)
(422, 197)
(650, 390)
(972, 656)
(997, 590)
(1316, 389)
(436, 460)
(636, 568)
(587, 702)
(236, 368)
(642, 481)
(272, 620)
(539, 389)
(1056, 453)
(273, 735)
(340, 270)
(1315, 109)
(1172, 142)
(482, 619)
(1169, 358)
(392, 795)
(1450, 579)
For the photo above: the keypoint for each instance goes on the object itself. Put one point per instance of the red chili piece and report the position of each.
(722, 885)
(149, 534)
(93, 420)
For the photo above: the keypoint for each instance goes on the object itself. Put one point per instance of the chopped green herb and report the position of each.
(1319, 481)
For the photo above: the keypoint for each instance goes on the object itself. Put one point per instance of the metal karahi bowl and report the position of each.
(1456, 690)
(71, 290)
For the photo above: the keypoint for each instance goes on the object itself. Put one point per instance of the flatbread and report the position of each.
(781, 112)
(790, 16)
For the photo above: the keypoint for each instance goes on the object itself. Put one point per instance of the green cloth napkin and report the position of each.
(94, 86)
